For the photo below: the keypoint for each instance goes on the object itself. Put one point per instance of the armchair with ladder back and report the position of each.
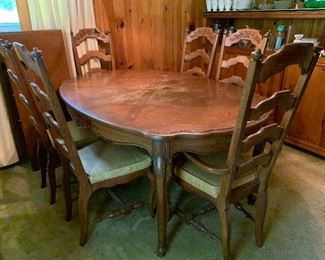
(228, 176)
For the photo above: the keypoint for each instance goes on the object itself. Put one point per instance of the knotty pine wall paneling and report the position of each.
(148, 33)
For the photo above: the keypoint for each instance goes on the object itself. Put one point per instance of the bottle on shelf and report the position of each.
(271, 41)
(231, 30)
(217, 27)
(279, 37)
(234, 5)
(209, 5)
(221, 5)
(228, 4)
(215, 5)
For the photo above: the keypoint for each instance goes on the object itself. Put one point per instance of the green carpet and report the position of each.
(30, 228)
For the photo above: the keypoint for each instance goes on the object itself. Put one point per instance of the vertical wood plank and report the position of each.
(157, 34)
(144, 7)
(104, 17)
(24, 16)
(168, 35)
(200, 7)
(135, 34)
(128, 37)
(120, 33)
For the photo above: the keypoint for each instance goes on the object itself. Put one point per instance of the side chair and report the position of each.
(235, 50)
(199, 61)
(103, 53)
(96, 166)
(228, 177)
(46, 154)
(44, 146)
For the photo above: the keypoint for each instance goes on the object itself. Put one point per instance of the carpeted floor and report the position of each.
(30, 228)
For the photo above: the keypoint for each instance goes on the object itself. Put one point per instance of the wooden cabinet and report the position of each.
(308, 127)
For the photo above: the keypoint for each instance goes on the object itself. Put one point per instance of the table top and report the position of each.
(155, 103)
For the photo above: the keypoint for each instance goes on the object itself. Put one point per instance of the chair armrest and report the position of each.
(204, 166)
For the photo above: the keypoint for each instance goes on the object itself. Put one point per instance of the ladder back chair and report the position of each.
(227, 177)
(103, 54)
(47, 156)
(96, 166)
(238, 46)
(44, 146)
(203, 56)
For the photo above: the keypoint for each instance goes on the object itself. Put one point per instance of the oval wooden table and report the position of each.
(163, 112)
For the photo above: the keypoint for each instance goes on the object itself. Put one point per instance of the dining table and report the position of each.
(163, 112)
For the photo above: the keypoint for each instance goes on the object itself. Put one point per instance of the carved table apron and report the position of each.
(162, 112)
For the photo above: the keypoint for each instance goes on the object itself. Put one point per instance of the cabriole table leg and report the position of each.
(159, 168)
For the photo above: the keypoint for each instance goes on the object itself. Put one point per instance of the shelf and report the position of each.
(267, 14)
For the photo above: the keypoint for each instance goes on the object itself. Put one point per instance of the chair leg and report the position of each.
(260, 216)
(42, 161)
(223, 210)
(51, 163)
(83, 212)
(152, 205)
(67, 191)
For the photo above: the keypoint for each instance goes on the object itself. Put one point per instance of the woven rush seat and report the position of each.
(103, 161)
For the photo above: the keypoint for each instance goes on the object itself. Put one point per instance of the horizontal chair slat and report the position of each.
(41, 95)
(245, 169)
(284, 99)
(270, 133)
(233, 61)
(198, 53)
(94, 54)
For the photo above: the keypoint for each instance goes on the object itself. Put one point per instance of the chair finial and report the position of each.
(7, 44)
(257, 55)
(36, 53)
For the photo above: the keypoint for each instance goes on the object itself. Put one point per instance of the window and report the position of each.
(9, 20)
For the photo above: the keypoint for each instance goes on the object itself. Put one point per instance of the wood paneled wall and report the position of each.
(148, 33)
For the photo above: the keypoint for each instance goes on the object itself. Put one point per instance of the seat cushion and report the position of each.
(103, 161)
(81, 136)
(208, 182)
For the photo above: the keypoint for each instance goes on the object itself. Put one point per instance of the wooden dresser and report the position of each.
(308, 127)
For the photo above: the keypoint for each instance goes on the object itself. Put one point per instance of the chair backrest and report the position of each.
(18, 77)
(103, 54)
(272, 134)
(51, 108)
(245, 40)
(203, 56)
